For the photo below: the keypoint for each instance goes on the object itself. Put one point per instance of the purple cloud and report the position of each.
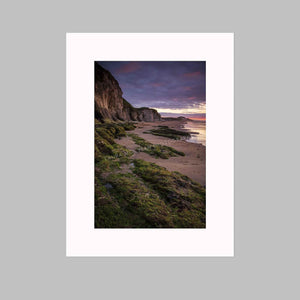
(160, 84)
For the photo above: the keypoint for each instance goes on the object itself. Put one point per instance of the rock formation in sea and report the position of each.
(109, 103)
(176, 119)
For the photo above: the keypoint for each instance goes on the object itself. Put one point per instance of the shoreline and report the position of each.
(193, 164)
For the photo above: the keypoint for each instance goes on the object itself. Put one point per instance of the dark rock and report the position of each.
(108, 186)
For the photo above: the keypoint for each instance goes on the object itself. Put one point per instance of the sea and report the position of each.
(199, 129)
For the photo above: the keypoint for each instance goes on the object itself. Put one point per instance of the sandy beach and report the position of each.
(192, 164)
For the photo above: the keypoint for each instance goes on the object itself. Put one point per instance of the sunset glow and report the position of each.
(194, 109)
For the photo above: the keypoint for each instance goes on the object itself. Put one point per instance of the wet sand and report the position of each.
(192, 164)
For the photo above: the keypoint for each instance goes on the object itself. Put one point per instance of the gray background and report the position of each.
(34, 265)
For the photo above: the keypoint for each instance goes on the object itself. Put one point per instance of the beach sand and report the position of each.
(192, 164)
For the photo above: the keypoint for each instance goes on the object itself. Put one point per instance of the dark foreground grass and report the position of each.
(158, 151)
(169, 133)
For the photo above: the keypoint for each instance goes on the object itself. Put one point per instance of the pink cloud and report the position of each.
(192, 74)
(156, 84)
(129, 67)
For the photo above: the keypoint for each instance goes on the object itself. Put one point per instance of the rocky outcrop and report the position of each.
(176, 119)
(109, 103)
(148, 114)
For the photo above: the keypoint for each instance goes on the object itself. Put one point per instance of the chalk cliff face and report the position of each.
(109, 103)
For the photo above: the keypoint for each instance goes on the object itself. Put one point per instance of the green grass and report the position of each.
(158, 151)
(169, 133)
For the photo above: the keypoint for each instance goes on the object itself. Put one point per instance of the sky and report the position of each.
(173, 88)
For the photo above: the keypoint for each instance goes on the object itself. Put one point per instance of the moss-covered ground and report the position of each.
(168, 132)
(158, 151)
(108, 154)
(146, 195)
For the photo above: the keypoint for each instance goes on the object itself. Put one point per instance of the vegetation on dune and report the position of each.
(158, 151)
(168, 132)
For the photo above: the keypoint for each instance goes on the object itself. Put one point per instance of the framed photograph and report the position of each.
(150, 143)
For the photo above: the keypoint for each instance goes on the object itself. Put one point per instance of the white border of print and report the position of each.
(85, 48)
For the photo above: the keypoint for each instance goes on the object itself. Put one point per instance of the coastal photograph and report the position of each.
(150, 144)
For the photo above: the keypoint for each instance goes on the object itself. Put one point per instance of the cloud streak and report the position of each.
(195, 109)
(192, 74)
(164, 85)
(128, 67)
